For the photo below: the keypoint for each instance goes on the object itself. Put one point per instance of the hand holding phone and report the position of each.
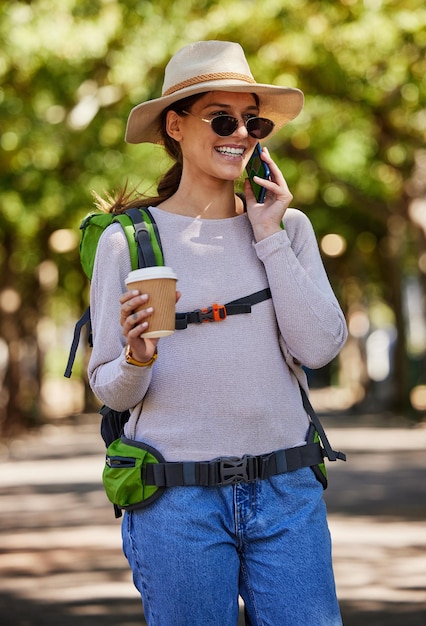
(257, 167)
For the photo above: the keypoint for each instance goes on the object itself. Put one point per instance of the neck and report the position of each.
(218, 206)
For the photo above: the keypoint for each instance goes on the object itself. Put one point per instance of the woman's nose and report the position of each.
(241, 129)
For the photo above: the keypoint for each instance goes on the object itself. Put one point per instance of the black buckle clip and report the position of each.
(234, 470)
(214, 313)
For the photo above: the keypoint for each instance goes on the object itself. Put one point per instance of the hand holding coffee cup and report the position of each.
(159, 282)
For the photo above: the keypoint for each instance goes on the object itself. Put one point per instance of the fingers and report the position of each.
(137, 323)
(134, 314)
(130, 300)
(266, 219)
(277, 190)
(278, 184)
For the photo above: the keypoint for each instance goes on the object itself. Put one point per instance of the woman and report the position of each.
(228, 389)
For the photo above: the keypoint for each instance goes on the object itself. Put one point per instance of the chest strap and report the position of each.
(232, 470)
(219, 312)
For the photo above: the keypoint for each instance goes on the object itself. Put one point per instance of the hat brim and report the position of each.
(280, 104)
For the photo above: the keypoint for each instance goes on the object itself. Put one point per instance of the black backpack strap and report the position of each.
(251, 300)
(331, 454)
(83, 321)
(219, 312)
(146, 256)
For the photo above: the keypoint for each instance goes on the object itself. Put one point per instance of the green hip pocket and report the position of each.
(123, 474)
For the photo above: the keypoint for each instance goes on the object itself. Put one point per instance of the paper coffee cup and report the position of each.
(159, 282)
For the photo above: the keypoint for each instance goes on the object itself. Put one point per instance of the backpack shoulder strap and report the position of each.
(147, 237)
(128, 227)
(331, 454)
(83, 321)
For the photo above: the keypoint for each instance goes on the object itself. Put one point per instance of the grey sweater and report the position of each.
(228, 388)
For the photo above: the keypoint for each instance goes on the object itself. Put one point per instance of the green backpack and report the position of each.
(140, 230)
(144, 246)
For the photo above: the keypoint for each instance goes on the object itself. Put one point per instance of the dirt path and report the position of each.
(60, 552)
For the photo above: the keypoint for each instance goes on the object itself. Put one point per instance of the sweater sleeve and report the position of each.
(311, 322)
(115, 382)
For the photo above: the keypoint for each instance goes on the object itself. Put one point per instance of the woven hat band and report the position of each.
(204, 78)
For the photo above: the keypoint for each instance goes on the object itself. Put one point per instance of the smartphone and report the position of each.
(257, 167)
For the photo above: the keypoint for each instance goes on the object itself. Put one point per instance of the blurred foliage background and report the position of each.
(355, 161)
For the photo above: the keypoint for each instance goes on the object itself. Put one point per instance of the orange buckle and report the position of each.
(214, 313)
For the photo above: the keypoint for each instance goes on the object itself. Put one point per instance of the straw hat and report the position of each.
(210, 66)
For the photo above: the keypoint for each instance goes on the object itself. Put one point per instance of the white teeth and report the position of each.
(231, 151)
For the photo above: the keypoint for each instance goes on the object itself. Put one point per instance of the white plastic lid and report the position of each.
(150, 273)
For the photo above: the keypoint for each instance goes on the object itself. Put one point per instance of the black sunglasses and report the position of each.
(225, 125)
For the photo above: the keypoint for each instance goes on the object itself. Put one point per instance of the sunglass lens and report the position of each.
(224, 125)
(259, 127)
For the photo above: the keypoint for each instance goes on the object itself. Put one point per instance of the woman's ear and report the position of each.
(174, 125)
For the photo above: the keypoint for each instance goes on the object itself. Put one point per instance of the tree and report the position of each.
(71, 72)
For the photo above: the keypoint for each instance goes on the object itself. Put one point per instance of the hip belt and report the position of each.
(136, 474)
(232, 470)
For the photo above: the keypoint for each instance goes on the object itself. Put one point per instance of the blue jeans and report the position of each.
(196, 549)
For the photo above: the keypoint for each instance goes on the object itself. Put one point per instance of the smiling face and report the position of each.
(207, 155)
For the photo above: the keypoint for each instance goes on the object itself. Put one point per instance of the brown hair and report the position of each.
(125, 199)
